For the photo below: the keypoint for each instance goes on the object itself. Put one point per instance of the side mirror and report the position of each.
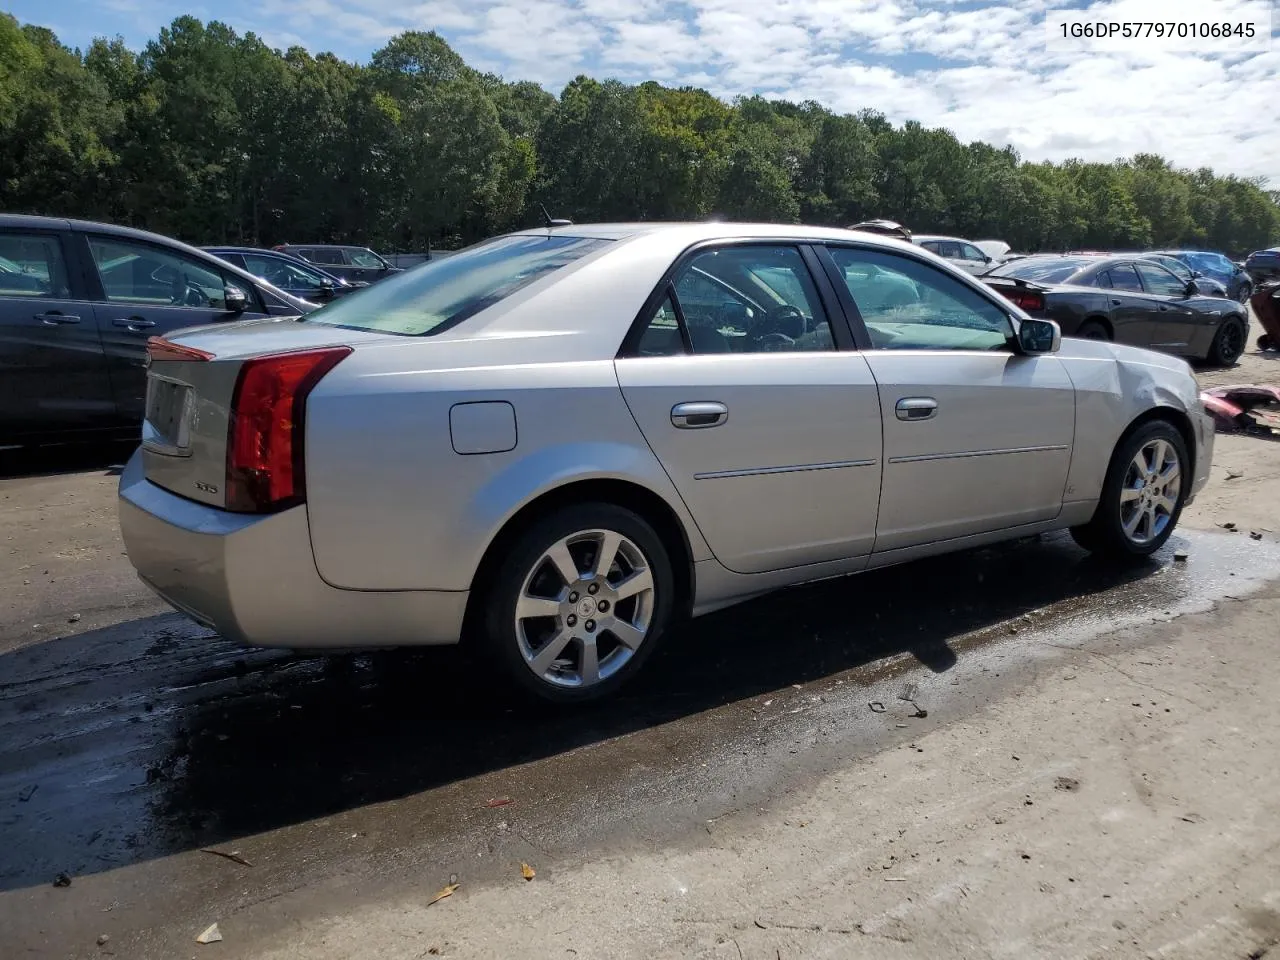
(237, 300)
(1192, 289)
(1039, 336)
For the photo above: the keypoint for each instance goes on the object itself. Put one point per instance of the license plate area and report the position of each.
(167, 427)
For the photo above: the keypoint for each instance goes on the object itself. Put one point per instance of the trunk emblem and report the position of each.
(206, 487)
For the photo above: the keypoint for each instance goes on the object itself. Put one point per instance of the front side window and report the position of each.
(32, 265)
(442, 293)
(970, 252)
(134, 272)
(366, 258)
(1160, 281)
(1175, 266)
(910, 305)
(281, 273)
(322, 255)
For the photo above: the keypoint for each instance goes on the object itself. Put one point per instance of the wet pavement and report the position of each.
(155, 737)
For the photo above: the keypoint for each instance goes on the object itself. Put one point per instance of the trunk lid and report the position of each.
(191, 379)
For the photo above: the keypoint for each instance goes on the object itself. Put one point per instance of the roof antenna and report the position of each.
(550, 222)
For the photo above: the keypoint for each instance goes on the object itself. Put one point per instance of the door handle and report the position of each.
(1115, 301)
(916, 408)
(1163, 308)
(54, 319)
(133, 323)
(699, 415)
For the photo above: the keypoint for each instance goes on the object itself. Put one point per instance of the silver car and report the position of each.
(558, 442)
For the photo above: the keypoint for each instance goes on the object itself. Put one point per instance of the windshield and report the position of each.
(441, 293)
(1044, 269)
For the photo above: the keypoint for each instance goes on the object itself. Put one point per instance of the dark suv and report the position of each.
(349, 263)
(78, 302)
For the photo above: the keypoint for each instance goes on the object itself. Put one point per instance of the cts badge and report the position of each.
(206, 487)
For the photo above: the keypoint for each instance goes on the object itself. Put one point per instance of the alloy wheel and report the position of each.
(1150, 492)
(585, 608)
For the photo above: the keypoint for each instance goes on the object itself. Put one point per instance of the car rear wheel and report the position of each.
(1093, 330)
(579, 603)
(1228, 344)
(1245, 292)
(1142, 496)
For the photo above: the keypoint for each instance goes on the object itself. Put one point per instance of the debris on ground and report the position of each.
(1192, 818)
(876, 706)
(1234, 474)
(447, 891)
(62, 880)
(233, 856)
(1229, 525)
(527, 871)
(26, 793)
(499, 802)
(908, 693)
(103, 940)
(74, 618)
(1069, 784)
(1255, 535)
(1250, 408)
(211, 934)
(1181, 556)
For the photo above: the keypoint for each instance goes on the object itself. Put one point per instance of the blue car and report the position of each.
(1216, 266)
(286, 272)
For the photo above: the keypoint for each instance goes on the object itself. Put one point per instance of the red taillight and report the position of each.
(264, 439)
(158, 348)
(1026, 299)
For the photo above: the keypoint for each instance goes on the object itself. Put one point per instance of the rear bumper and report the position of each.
(254, 578)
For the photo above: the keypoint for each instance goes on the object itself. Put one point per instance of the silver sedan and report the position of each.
(558, 442)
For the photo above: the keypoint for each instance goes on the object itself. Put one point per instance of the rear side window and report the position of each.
(442, 293)
(32, 265)
(1123, 278)
(365, 258)
(323, 255)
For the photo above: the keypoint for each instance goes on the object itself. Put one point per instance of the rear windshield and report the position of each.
(1047, 270)
(442, 293)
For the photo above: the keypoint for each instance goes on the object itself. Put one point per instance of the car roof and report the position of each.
(698, 231)
(939, 236)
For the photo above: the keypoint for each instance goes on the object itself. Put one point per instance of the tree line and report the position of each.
(214, 137)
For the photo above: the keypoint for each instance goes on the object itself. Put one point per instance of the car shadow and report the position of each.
(109, 457)
(156, 736)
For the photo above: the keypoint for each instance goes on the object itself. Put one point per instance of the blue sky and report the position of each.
(982, 68)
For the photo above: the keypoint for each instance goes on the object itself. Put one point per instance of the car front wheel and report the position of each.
(1142, 496)
(579, 603)
(1228, 343)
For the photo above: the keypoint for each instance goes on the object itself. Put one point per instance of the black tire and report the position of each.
(1265, 342)
(1228, 343)
(1245, 292)
(1093, 330)
(1104, 534)
(499, 640)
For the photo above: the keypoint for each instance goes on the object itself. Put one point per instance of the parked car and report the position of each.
(1127, 299)
(1206, 285)
(350, 263)
(76, 315)
(1263, 266)
(997, 250)
(287, 273)
(572, 445)
(884, 228)
(961, 253)
(1234, 278)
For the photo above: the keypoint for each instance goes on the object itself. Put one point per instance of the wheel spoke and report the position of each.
(608, 552)
(1131, 525)
(531, 606)
(638, 582)
(1140, 463)
(1129, 494)
(564, 563)
(1168, 503)
(590, 671)
(1171, 474)
(628, 635)
(551, 651)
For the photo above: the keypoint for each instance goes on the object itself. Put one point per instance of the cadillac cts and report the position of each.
(557, 442)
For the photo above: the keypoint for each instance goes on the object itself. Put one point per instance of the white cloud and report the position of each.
(984, 71)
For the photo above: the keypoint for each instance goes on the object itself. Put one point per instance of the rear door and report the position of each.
(1132, 311)
(331, 259)
(1174, 323)
(770, 431)
(289, 275)
(977, 437)
(53, 375)
(146, 290)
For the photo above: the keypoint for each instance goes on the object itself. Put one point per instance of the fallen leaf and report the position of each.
(233, 856)
(527, 871)
(211, 935)
(499, 802)
(446, 892)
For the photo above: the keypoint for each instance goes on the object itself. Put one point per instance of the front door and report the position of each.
(1132, 311)
(977, 438)
(53, 376)
(1175, 322)
(150, 290)
(768, 431)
